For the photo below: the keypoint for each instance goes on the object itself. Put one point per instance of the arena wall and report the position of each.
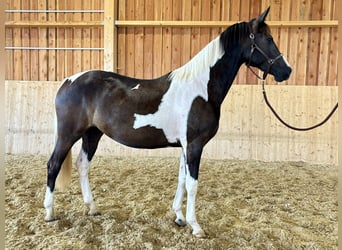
(47, 41)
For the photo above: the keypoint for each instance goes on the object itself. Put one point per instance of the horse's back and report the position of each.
(109, 101)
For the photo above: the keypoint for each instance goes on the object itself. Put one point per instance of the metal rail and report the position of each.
(54, 11)
(179, 24)
(49, 48)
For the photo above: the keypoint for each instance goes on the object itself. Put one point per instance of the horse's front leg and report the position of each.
(177, 202)
(193, 162)
(191, 188)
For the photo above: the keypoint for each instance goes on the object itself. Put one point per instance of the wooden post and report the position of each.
(110, 35)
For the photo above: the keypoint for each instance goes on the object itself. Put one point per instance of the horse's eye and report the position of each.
(269, 39)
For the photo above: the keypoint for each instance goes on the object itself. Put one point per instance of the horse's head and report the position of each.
(259, 50)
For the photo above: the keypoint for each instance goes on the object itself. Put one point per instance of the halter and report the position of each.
(270, 61)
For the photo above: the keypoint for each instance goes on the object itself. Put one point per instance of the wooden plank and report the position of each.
(332, 77)
(42, 54)
(186, 33)
(324, 49)
(52, 38)
(157, 40)
(17, 54)
(284, 44)
(291, 55)
(314, 45)
(9, 54)
(69, 58)
(247, 77)
(130, 48)
(97, 36)
(109, 36)
(148, 41)
(101, 3)
(205, 15)
(60, 55)
(255, 8)
(9, 42)
(86, 33)
(302, 56)
(77, 37)
(34, 42)
(224, 16)
(235, 17)
(176, 36)
(121, 38)
(167, 37)
(244, 10)
(196, 31)
(219, 12)
(234, 11)
(139, 40)
(25, 42)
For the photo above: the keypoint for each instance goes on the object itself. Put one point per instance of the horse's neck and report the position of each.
(222, 75)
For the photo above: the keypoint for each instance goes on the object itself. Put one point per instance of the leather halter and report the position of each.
(270, 61)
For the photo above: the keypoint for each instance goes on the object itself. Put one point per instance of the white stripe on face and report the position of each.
(286, 62)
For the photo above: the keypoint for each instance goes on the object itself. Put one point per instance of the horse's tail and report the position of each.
(64, 177)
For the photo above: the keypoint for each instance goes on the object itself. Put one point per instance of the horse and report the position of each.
(179, 109)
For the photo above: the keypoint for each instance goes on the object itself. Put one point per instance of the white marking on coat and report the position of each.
(136, 87)
(191, 188)
(83, 165)
(48, 204)
(75, 76)
(187, 83)
(286, 62)
(177, 202)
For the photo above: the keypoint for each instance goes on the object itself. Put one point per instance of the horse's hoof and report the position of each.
(201, 234)
(180, 222)
(94, 213)
(50, 219)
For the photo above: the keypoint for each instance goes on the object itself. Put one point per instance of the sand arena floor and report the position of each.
(240, 205)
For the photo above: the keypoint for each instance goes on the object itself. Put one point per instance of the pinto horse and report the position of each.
(179, 109)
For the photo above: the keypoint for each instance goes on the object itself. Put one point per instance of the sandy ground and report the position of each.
(240, 205)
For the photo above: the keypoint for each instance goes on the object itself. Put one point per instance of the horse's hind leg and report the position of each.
(90, 141)
(53, 167)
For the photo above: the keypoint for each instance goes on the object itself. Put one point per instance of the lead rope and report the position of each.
(288, 125)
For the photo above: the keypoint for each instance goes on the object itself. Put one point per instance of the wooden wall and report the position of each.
(45, 47)
(247, 130)
(173, 46)
(39, 50)
(150, 51)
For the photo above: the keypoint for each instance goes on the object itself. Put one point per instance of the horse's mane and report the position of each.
(240, 31)
(214, 50)
(233, 35)
(206, 58)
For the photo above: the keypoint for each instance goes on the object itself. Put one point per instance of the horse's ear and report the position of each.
(260, 19)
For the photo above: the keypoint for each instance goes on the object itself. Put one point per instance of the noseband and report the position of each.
(270, 61)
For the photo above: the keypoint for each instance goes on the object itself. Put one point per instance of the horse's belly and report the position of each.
(144, 137)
